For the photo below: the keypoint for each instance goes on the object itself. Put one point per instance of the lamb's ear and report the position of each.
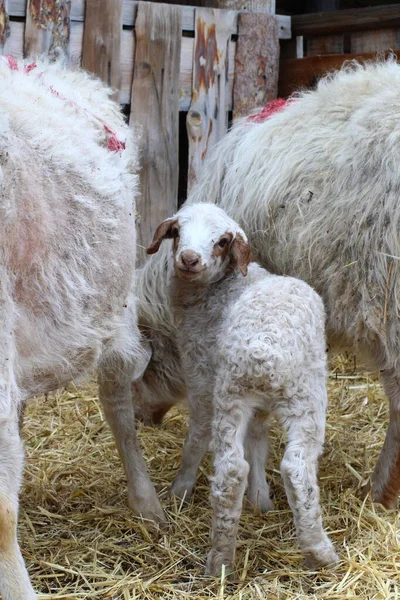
(163, 231)
(241, 253)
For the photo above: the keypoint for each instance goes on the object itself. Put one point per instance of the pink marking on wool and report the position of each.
(30, 67)
(113, 143)
(12, 63)
(270, 109)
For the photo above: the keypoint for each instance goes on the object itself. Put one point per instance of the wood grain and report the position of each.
(207, 119)
(155, 110)
(4, 25)
(47, 29)
(350, 20)
(256, 63)
(101, 52)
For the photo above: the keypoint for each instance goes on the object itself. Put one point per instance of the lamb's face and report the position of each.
(207, 243)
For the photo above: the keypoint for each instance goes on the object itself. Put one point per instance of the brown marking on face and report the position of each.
(392, 488)
(241, 254)
(164, 231)
(222, 251)
(8, 525)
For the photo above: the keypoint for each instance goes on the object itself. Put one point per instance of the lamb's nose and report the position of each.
(189, 258)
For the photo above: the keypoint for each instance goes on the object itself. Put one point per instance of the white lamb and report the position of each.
(252, 344)
(68, 180)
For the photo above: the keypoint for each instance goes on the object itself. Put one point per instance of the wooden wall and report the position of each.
(324, 41)
(160, 59)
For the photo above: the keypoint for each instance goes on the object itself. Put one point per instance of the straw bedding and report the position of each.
(80, 540)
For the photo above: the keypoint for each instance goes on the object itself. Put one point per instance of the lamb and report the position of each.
(252, 344)
(68, 174)
(315, 187)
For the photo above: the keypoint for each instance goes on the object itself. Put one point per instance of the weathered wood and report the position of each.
(155, 109)
(374, 41)
(349, 20)
(101, 52)
(325, 44)
(4, 25)
(304, 73)
(17, 8)
(207, 119)
(256, 63)
(258, 6)
(47, 28)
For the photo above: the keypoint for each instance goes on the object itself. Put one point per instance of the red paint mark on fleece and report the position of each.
(270, 109)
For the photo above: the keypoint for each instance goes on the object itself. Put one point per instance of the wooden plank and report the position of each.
(101, 52)
(4, 26)
(374, 41)
(256, 63)
(304, 73)
(155, 109)
(325, 44)
(341, 21)
(47, 29)
(207, 119)
(17, 8)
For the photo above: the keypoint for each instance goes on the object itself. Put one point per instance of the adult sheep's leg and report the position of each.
(230, 424)
(386, 477)
(14, 579)
(196, 445)
(115, 395)
(258, 493)
(304, 419)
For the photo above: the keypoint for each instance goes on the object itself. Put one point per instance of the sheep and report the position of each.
(315, 187)
(68, 176)
(251, 344)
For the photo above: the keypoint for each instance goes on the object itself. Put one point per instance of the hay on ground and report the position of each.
(80, 540)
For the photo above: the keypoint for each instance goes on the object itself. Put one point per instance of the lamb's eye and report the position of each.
(223, 242)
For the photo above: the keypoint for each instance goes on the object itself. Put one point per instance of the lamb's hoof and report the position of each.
(182, 489)
(322, 556)
(260, 501)
(149, 509)
(215, 560)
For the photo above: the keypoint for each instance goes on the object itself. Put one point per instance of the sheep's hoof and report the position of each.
(215, 560)
(182, 489)
(321, 557)
(260, 501)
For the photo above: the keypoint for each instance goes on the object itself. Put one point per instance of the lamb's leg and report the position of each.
(115, 395)
(196, 445)
(386, 477)
(304, 420)
(258, 493)
(14, 579)
(230, 425)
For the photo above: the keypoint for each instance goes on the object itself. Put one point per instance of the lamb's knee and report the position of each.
(8, 525)
(229, 480)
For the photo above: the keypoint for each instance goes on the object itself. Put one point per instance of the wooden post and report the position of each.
(155, 110)
(4, 25)
(207, 119)
(256, 63)
(47, 28)
(101, 52)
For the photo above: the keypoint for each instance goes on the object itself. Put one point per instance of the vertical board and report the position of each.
(256, 63)
(207, 119)
(47, 29)
(101, 51)
(4, 25)
(155, 110)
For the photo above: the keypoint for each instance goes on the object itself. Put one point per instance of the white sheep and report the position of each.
(252, 344)
(316, 189)
(68, 176)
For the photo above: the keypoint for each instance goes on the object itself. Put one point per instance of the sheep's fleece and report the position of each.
(67, 254)
(316, 189)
